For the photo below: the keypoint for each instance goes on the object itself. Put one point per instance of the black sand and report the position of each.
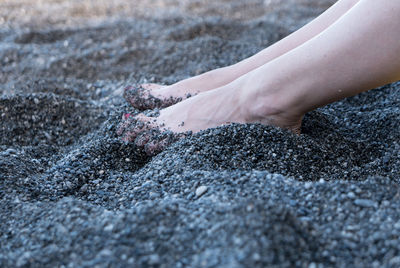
(74, 195)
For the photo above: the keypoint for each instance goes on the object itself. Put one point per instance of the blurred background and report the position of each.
(75, 44)
(37, 13)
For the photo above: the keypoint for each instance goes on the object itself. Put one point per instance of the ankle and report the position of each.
(272, 105)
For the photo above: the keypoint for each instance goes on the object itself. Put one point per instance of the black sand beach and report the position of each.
(72, 194)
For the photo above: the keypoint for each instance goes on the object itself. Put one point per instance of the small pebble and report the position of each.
(154, 259)
(312, 265)
(201, 190)
(351, 195)
(365, 203)
(109, 228)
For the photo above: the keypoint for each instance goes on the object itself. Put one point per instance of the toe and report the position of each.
(140, 97)
(132, 126)
(146, 96)
(156, 146)
(142, 139)
(158, 141)
(146, 133)
(136, 95)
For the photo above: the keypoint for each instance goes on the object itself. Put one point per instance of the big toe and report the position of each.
(132, 126)
(136, 96)
(146, 133)
(141, 97)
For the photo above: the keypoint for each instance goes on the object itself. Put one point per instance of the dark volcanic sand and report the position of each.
(73, 195)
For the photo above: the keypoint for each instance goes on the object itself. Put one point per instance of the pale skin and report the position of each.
(351, 48)
(223, 76)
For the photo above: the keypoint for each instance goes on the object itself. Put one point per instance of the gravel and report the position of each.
(73, 194)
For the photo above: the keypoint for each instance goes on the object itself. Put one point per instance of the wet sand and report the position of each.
(72, 194)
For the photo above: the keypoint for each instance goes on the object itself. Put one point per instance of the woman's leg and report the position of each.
(360, 51)
(222, 76)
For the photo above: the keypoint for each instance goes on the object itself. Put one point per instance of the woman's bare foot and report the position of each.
(233, 103)
(151, 96)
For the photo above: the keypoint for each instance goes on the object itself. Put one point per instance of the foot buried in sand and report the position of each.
(142, 97)
(145, 133)
(206, 110)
